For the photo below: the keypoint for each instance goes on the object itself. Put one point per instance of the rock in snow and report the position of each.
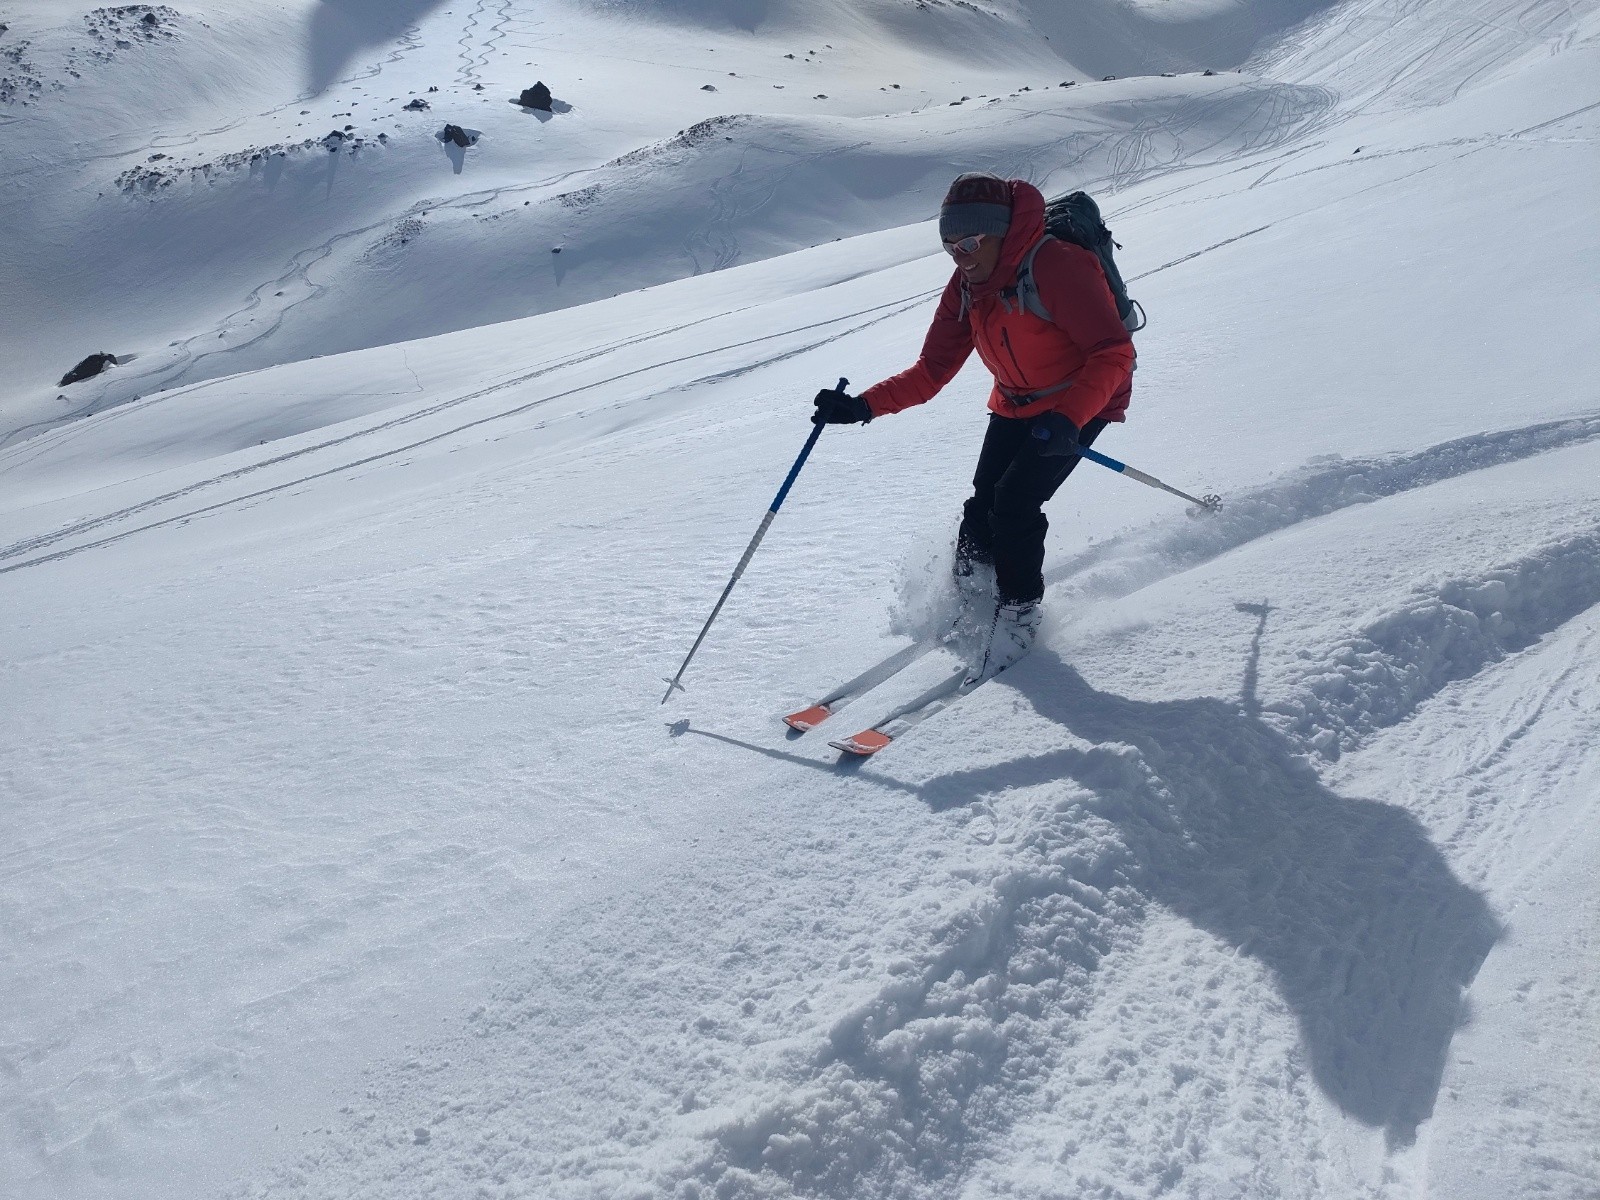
(538, 96)
(88, 368)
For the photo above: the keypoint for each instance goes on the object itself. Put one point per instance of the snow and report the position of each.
(350, 852)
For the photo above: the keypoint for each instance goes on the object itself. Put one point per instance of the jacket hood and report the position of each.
(1027, 227)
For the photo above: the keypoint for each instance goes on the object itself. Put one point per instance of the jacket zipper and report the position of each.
(1005, 339)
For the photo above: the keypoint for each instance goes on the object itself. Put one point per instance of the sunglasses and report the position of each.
(966, 245)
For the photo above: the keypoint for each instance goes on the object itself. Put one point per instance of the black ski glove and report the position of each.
(1054, 435)
(839, 408)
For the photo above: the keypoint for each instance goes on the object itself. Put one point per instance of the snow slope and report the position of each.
(352, 856)
(249, 229)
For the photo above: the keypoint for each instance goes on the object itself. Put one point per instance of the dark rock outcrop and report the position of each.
(88, 368)
(458, 135)
(537, 96)
(417, 105)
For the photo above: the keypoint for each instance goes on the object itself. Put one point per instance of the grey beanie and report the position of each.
(977, 202)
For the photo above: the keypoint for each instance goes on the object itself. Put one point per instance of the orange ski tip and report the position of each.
(808, 718)
(868, 741)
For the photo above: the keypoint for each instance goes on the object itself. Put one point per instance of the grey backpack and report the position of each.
(1075, 218)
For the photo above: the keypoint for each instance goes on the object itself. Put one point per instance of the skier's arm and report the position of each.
(944, 350)
(1075, 291)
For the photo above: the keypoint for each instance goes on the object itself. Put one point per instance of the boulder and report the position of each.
(537, 96)
(417, 105)
(458, 135)
(88, 368)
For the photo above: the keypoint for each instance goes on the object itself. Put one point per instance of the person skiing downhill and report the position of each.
(1057, 384)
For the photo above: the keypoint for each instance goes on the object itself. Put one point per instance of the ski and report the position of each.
(909, 715)
(810, 717)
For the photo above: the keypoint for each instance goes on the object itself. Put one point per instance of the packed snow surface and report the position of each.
(349, 851)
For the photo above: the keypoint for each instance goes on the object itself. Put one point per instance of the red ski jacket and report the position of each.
(1084, 345)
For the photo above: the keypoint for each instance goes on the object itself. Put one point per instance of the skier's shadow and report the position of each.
(1371, 938)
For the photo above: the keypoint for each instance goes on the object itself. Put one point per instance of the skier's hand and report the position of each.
(839, 408)
(1054, 435)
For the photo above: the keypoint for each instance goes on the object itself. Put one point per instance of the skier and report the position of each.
(1057, 384)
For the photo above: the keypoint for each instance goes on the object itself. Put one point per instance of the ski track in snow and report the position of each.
(1131, 561)
(472, 64)
(90, 524)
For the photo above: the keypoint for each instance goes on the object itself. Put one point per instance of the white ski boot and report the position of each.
(975, 594)
(1010, 638)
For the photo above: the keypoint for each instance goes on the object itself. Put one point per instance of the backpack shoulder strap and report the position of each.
(1027, 290)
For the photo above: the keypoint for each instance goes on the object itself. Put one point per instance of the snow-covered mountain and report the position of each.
(248, 186)
(350, 852)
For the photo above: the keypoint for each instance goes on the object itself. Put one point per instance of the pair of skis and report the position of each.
(899, 722)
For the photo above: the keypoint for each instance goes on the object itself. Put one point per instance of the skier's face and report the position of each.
(976, 257)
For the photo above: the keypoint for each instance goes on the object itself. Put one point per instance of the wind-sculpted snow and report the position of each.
(1208, 809)
(1367, 935)
(933, 1063)
(1405, 657)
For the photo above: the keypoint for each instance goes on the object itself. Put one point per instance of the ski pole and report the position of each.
(1211, 502)
(749, 552)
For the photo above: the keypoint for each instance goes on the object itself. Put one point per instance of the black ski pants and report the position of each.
(1003, 523)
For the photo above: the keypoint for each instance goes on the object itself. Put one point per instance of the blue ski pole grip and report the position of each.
(1105, 460)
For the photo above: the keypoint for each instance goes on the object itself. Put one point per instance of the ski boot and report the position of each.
(1011, 636)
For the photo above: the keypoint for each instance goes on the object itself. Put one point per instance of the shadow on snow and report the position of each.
(1371, 938)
